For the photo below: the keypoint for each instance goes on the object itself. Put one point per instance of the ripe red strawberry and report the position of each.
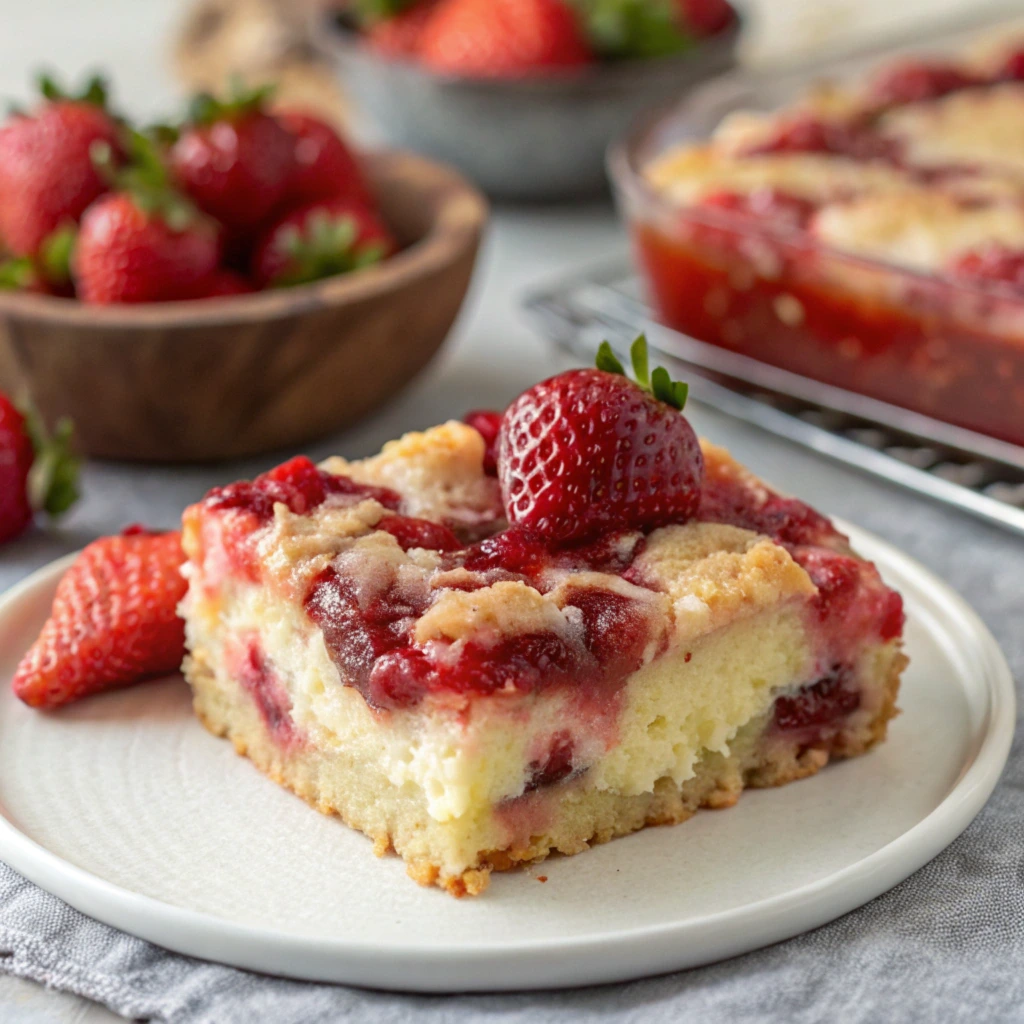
(503, 38)
(234, 159)
(320, 240)
(144, 242)
(16, 456)
(705, 17)
(400, 34)
(127, 253)
(323, 167)
(47, 176)
(36, 472)
(114, 621)
(589, 451)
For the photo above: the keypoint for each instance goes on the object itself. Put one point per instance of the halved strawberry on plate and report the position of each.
(114, 621)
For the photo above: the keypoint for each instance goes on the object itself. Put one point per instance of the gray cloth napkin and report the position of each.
(947, 945)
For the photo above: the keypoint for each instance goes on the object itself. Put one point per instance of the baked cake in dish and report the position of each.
(475, 693)
(920, 165)
(869, 235)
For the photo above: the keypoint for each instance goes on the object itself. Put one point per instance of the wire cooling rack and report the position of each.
(975, 473)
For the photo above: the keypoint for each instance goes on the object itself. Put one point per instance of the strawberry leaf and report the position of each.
(163, 134)
(53, 479)
(638, 355)
(95, 91)
(205, 108)
(659, 384)
(607, 360)
(144, 176)
(55, 254)
(324, 246)
(17, 275)
(368, 255)
(373, 11)
(637, 29)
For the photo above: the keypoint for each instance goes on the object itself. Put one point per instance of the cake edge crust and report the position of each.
(717, 784)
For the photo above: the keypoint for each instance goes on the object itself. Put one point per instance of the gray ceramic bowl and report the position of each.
(539, 139)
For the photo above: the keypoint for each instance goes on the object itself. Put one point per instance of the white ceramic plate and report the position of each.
(127, 809)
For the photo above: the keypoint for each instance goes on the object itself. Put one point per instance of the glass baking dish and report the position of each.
(947, 349)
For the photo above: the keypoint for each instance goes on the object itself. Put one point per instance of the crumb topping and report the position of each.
(403, 621)
(916, 166)
(924, 230)
(502, 609)
(439, 473)
(968, 128)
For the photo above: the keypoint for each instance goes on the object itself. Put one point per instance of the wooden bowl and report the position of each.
(225, 378)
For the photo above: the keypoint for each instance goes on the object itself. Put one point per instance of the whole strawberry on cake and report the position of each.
(552, 627)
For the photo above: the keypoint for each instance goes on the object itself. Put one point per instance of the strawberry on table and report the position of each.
(114, 621)
(323, 166)
(503, 38)
(37, 472)
(47, 175)
(589, 451)
(144, 242)
(320, 240)
(234, 158)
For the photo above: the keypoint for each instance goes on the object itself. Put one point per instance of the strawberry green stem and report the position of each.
(95, 91)
(659, 383)
(634, 29)
(323, 247)
(373, 11)
(205, 108)
(55, 254)
(18, 274)
(53, 478)
(145, 178)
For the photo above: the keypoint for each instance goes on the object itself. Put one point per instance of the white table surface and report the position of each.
(490, 358)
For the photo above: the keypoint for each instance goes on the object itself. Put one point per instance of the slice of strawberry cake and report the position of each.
(482, 654)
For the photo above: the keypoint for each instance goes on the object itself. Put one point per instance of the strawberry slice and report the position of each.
(114, 621)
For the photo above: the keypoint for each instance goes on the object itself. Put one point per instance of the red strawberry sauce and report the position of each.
(248, 664)
(370, 634)
(249, 504)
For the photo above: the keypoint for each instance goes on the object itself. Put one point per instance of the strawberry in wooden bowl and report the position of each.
(238, 282)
